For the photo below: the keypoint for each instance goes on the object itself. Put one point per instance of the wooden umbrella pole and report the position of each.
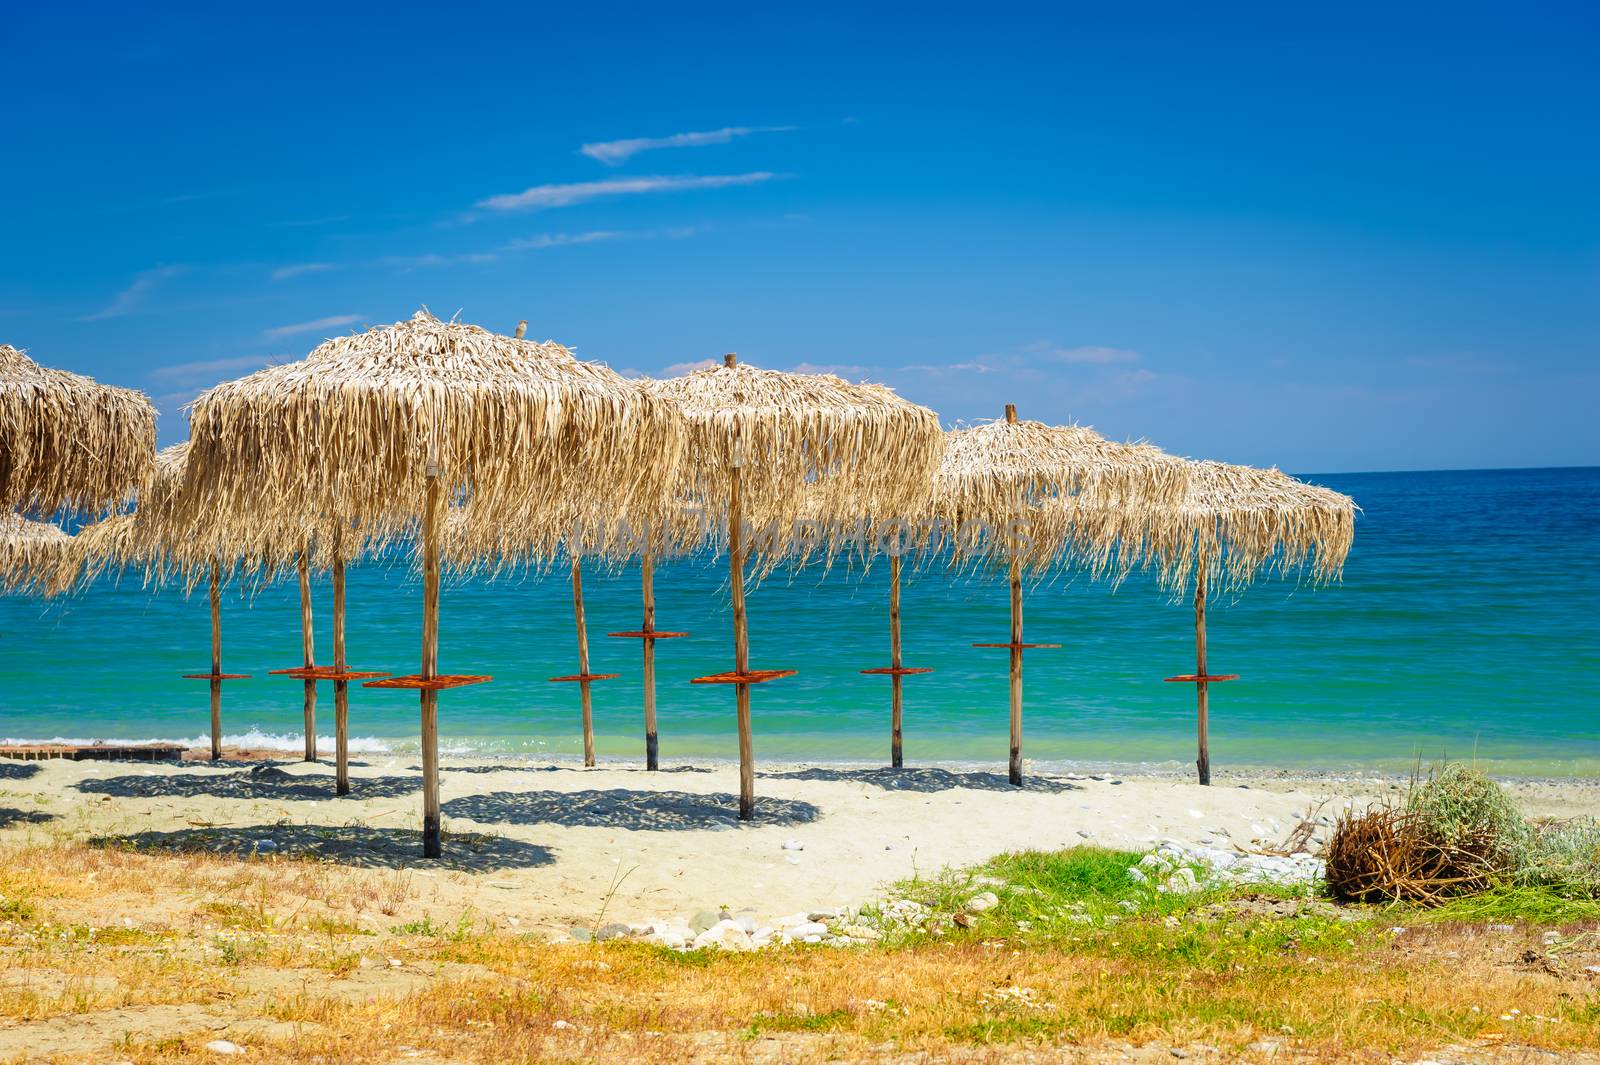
(583, 662)
(1016, 673)
(1016, 647)
(647, 586)
(1202, 695)
(308, 651)
(341, 686)
(216, 660)
(895, 679)
(741, 649)
(431, 845)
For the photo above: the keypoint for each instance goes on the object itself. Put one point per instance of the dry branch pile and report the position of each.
(1455, 833)
(1390, 854)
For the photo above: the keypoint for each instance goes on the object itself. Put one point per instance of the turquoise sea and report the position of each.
(1467, 625)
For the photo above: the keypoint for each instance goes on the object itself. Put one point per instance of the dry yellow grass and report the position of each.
(109, 955)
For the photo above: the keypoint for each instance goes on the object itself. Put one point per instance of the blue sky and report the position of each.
(1344, 239)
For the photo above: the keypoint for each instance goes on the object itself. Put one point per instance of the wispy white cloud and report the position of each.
(410, 262)
(678, 368)
(538, 242)
(129, 299)
(284, 273)
(1089, 354)
(205, 371)
(331, 322)
(613, 152)
(849, 370)
(561, 240)
(541, 197)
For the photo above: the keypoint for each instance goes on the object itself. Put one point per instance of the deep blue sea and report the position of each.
(1467, 626)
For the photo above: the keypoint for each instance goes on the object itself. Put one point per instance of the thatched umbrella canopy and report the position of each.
(68, 442)
(152, 538)
(1003, 495)
(773, 448)
(31, 553)
(1237, 522)
(1233, 524)
(382, 428)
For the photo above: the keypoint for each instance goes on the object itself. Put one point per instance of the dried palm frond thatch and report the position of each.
(526, 432)
(1013, 491)
(68, 442)
(137, 539)
(1233, 524)
(806, 445)
(152, 538)
(31, 553)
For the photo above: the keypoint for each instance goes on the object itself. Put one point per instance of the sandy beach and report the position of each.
(547, 847)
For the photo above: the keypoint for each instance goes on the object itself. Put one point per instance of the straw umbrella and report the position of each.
(777, 447)
(31, 552)
(142, 538)
(68, 442)
(1003, 485)
(384, 427)
(1234, 523)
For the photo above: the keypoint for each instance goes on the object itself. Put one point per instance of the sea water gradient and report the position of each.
(1467, 625)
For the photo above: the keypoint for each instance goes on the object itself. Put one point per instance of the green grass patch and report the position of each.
(1045, 894)
(1534, 905)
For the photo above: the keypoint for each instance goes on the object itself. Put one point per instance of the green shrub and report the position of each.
(1457, 806)
(1564, 856)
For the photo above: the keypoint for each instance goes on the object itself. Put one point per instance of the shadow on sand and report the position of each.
(928, 779)
(353, 845)
(10, 770)
(9, 817)
(262, 782)
(646, 811)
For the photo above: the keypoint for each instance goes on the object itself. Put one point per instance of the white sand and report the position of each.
(543, 846)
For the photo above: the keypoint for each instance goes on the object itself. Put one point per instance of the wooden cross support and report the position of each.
(216, 676)
(417, 682)
(314, 673)
(745, 678)
(649, 635)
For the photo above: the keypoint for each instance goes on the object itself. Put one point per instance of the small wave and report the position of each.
(252, 739)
